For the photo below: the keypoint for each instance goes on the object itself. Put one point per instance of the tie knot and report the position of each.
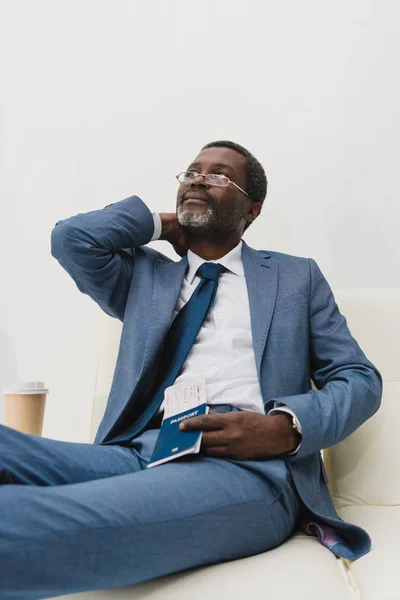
(210, 271)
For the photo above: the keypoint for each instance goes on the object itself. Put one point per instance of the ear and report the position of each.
(254, 211)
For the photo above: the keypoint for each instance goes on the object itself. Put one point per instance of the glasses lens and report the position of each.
(186, 177)
(215, 179)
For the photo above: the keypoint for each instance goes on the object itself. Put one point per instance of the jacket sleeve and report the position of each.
(348, 386)
(98, 249)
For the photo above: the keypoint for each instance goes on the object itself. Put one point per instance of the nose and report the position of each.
(200, 180)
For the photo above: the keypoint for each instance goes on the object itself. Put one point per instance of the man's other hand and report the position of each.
(173, 233)
(244, 435)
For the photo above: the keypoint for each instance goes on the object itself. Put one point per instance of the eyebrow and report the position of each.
(216, 166)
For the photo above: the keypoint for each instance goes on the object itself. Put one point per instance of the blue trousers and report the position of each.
(78, 517)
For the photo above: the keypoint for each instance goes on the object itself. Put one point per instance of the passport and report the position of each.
(172, 442)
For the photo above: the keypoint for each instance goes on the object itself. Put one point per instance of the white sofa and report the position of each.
(363, 479)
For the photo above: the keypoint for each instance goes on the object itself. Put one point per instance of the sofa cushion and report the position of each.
(300, 568)
(373, 318)
(358, 468)
(375, 573)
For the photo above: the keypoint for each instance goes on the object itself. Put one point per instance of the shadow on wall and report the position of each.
(9, 372)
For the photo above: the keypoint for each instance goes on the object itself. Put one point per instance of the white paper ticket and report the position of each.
(184, 396)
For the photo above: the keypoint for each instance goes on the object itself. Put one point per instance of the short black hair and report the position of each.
(256, 179)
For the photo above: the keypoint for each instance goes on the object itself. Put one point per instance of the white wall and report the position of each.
(101, 99)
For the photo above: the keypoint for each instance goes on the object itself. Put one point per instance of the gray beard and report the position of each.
(208, 223)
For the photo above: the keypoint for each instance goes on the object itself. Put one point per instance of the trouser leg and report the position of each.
(130, 528)
(33, 460)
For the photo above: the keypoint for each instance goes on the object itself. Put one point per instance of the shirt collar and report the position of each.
(232, 261)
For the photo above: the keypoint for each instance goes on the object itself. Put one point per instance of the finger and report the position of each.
(217, 451)
(214, 438)
(203, 423)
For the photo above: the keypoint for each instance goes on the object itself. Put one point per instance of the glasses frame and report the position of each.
(205, 175)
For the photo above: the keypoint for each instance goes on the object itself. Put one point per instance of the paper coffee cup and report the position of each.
(24, 405)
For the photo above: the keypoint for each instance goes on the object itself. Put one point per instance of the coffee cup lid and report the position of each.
(26, 387)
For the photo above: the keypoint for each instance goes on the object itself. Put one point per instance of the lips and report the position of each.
(194, 196)
(196, 200)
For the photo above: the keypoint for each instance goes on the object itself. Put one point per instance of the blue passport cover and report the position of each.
(172, 442)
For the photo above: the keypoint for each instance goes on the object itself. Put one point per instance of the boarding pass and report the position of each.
(183, 396)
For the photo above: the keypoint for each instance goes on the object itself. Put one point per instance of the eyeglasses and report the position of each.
(210, 178)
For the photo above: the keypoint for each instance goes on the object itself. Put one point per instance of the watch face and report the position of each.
(295, 426)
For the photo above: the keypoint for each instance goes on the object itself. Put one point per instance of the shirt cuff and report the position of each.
(279, 407)
(157, 227)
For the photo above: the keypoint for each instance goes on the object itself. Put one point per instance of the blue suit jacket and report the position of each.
(298, 332)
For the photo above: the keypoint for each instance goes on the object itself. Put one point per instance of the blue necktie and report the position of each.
(178, 343)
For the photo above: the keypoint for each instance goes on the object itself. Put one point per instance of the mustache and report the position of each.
(203, 195)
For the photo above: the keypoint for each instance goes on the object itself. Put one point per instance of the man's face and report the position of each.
(211, 210)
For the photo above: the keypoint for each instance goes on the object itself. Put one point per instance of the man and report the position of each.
(258, 326)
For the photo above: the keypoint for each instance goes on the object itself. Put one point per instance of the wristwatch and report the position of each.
(295, 426)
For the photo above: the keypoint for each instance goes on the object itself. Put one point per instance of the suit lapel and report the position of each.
(168, 278)
(261, 271)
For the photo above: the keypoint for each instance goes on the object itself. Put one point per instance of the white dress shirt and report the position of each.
(223, 351)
